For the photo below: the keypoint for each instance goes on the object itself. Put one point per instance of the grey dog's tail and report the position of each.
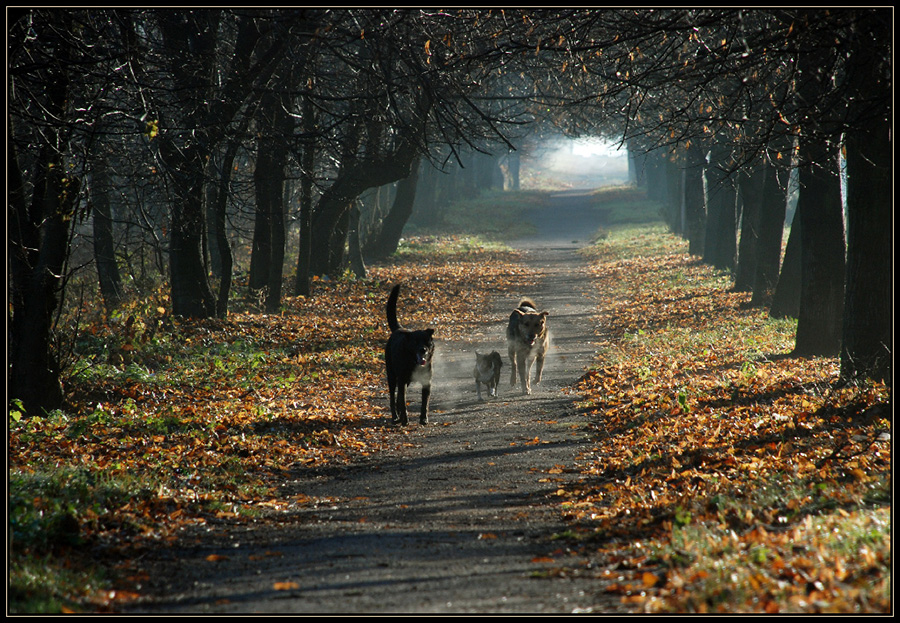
(392, 308)
(527, 302)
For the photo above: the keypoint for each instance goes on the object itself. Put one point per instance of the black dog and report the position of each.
(407, 358)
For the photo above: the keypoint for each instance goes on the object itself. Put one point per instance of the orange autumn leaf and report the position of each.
(649, 579)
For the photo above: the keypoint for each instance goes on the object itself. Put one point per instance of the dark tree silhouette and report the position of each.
(43, 197)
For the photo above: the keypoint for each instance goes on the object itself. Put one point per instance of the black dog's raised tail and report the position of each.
(392, 308)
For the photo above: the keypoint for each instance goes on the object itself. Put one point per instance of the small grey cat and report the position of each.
(487, 371)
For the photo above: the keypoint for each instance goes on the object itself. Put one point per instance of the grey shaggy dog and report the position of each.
(528, 340)
(487, 371)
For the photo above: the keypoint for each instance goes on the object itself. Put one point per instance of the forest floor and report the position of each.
(461, 517)
(675, 458)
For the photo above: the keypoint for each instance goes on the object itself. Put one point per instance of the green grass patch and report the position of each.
(448, 246)
(491, 216)
(49, 506)
(45, 585)
(50, 510)
(629, 241)
(626, 205)
(814, 561)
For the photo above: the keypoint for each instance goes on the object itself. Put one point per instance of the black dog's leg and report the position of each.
(393, 407)
(401, 403)
(426, 394)
(391, 379)
(392, 387)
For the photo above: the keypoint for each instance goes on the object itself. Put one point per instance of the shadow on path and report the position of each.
(459, 517)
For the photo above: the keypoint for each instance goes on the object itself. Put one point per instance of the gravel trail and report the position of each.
(457, 519)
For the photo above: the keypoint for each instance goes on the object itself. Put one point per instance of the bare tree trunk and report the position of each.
(695, 198)
(264, 213)
(771, 234)
(720, 249)
(511, 168)
(222, 248)
(655, 176)
(307, 166)
(822, 250)
(357, 264)
(191, 294)
(868, 314)
(329, 221)
(39, 246)
(751, 194)
(204, 120)
(104, 247)
(786, 300)
(674, 195)
(392, 226)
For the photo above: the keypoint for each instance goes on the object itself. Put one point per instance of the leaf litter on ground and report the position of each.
(200, 420)
(723, 474)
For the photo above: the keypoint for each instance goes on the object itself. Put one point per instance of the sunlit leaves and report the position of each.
(211, 416)
(151, 129)
(716, 450)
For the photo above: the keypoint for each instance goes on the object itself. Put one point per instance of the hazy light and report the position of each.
(595, 146)
(576, 163)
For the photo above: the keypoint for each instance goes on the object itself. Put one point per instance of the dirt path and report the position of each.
(459, 518)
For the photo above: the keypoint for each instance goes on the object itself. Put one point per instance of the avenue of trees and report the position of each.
(167, 138)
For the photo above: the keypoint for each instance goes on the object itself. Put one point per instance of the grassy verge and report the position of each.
(50, 568)
(448, 246)
(626, 205)
(724, 475)
(492, 216)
